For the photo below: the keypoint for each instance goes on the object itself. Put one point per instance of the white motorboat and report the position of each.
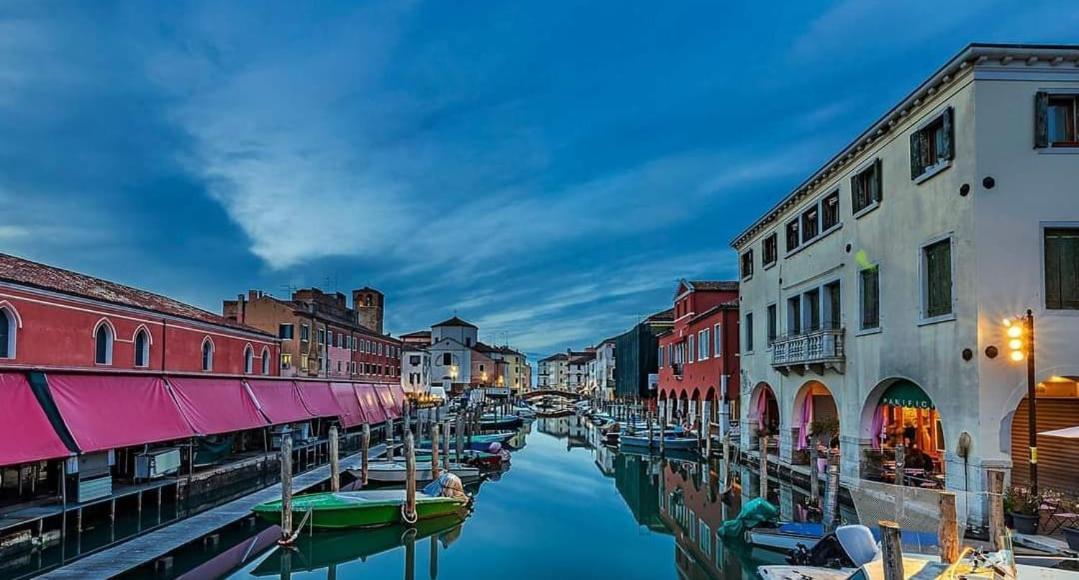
(395, 472)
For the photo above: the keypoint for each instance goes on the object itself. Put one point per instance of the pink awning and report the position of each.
(319, 398)
(25, 429)
(372, 408)
(279, 401)
(398, 393)
(216, 405)
(393, 410)
(346, 397)
(106, 412)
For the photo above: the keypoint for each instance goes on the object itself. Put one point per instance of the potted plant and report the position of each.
(1024, 508)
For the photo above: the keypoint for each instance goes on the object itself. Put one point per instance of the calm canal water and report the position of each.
(565, 509)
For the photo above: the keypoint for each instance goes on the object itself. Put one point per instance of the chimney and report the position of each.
(241, 309)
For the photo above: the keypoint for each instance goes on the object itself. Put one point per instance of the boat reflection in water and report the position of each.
(328, 550)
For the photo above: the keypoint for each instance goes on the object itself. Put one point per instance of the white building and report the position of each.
(415, 369)
(601, 370)
(553, 372)
(451, 347)
(577, 369)
(876, 289)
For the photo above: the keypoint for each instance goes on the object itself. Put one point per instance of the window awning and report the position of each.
(25, 429)
(106, 412)
(214, 406)
(393, 410)
(398, 393)
(372, 408)
(904, 393)
(319, 398)
(279, 401)
(352, 414)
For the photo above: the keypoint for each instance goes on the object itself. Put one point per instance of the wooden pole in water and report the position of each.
(410, 479)
(434, 555)
(435, 443)
(650, 436)
(997, 532)
(286, 487)
(900, 465)
(335, 466)
(892, 550)
(764, 466)
(726, 458)
(831, 506)
(446, 448)
(459, 431)
(814, 477)
(406, 413)
(410, 555)
(389, 437)
(708, 439)
(949, 529)
(365, 447)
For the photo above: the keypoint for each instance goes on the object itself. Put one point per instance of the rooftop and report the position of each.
(455, 321)
(34, 274)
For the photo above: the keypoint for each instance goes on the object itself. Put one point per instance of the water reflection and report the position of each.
(568, 507)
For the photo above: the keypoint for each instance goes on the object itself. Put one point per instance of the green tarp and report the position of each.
(754, 513)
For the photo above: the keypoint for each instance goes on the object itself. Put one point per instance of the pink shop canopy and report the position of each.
(398, 393)
(279, 400)
(319, 399)
(350, 405)
(26, 431)
(372, 408)
(393, 410)
(215, 406)
(106, 412)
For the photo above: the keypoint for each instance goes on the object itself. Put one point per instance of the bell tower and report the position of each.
(369, 305)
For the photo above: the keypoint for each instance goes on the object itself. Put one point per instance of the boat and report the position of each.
(496, 422)
(669, 441)
(371, 508)
(473, 457)
(395, 472)
(554, 413)
(479, 442)
(790, 535)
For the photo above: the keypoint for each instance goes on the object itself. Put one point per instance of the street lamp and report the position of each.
(1020, 336)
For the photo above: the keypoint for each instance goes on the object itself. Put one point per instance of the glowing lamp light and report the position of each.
(1014, 331)
(1017, 355)
(1015, 344)
(1007, 322)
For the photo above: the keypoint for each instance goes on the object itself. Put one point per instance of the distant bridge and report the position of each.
(552, 393)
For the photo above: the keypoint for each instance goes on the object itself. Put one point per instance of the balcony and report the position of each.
(677, 369)
(815, 351)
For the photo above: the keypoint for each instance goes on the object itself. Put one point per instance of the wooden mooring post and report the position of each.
(949, 529)
(409, 516)
(365, 453)
(435, 443)
(763, 440)
(997, 532)
(389, 437)
(814, 478)
(446, 448)
(891, 546)
(335, 465)
(286, 488)
(459, 432)
(406, 414)
(831, 494)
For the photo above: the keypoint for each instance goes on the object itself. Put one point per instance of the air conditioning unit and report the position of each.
(157, 463)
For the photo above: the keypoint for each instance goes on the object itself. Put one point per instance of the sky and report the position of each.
(545, 170)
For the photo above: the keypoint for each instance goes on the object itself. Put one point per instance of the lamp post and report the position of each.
(1024, 349)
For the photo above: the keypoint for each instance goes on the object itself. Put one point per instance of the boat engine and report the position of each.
(847, 547)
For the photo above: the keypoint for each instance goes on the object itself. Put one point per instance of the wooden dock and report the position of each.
(148, 547)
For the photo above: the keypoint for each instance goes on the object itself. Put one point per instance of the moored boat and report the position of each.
(395, 472)
(669, 441)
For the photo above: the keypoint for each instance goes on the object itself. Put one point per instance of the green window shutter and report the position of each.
(878, 180)
(1041, 120)
(1062, 269)
(915, 154)
(1053, 250)
(938, 258)
(949, 134)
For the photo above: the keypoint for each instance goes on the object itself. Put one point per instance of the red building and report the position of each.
(55, 318)
(698, 357)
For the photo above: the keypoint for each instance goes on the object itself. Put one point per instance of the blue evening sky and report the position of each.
(549, 170)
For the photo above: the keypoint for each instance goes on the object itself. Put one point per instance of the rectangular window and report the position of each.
(937, 274)
(809, 224)
(1062, 268)
(866, 187)
(659, 358)
(829, 211)
(717, 336)
(689, 350)
(747, 264)
(703, 341)
(931, 146)
(794, 316)
(832, 306)
(812, 310)
(1056, 121)
(284, 331)
(305, 332)
(772, 324)
(286, 360)
(749, 332)
(792, 235)
(768, 250)
(870, 297)
(321, 336)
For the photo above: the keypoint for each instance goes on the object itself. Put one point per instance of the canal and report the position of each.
(566, 508)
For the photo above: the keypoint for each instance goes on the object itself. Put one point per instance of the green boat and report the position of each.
(361, 509)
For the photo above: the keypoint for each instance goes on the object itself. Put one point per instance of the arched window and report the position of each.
(265, 361)
(8, 328)
(103, 338)
(249, 359)
(142, 348)
(207, 354)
